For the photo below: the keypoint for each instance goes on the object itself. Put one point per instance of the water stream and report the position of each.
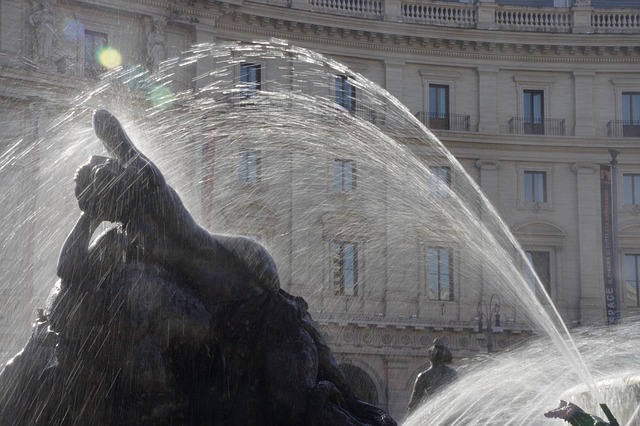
(296, 126)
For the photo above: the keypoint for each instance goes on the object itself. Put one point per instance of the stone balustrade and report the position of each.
(481, 15)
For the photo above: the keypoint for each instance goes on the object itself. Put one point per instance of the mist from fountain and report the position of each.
(296, 121)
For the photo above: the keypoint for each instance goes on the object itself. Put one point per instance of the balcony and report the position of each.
(623, 129)
(443, 121)
(543, 126)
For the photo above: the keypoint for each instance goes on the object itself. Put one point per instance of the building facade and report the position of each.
(529, 99)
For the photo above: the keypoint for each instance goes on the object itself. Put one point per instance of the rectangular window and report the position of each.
(533, 112)
(631, 114)
(345, 267)
(345, 93)
(440, 273)
(541, 262)
(535, 187)
(344, 175)
(93, 43)
(439, 106)
(250, 79)
(248, 167)
(439, 181)
(632, 279)
(631, 185)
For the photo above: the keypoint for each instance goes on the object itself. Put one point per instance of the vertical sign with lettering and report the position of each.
(612, 298)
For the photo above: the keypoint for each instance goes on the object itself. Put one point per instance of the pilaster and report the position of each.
(394, 76)
(204, 34)
(398, 388)
(591, 288)
(487, 83)
(489, 179)
(583, 92)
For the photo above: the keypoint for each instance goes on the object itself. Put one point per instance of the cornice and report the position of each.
(342, 36)
(368, 35)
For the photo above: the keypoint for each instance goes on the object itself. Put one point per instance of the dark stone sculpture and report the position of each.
(436, 376)
(160, 322)
(576, 416)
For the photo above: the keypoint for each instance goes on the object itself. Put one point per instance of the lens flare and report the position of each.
(109, 57)
(160, 96)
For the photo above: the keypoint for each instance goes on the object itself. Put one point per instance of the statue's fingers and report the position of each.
(118, 144)
(113, 136)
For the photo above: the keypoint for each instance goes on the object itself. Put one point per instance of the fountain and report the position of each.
(294, 121)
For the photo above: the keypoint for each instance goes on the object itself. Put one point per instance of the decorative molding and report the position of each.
(488, 164)
(585, 167)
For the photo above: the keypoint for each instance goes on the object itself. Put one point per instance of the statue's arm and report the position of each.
(417, 393)
(75, 250)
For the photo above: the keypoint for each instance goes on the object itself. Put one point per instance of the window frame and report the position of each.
(342, 83)
(626, 292)
(436, 186)
(545, 279)
(96, 68)
(429, 274)
(338, 276)
(339, 174)
(630, 125)
(548, 205)
(250, 88)
(533, 127)
(634, 192)
(443, 78)
(439, 120)
(246, 176)
(533, 188)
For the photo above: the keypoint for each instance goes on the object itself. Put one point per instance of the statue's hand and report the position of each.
(100, 187)
(83, 178)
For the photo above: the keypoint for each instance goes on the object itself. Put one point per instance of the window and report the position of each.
(439, 106)
(631, 184)
(345, 267)
(439, 181)
(631, 114)
(93, 43)
(250, 79)
(535, 187)
(248, 167)
(533, 112)
(344, 175)
(541, 262)
(345, 93)
(632, 279)
(440, 273)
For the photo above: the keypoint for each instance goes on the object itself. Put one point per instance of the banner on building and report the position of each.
(611, 294)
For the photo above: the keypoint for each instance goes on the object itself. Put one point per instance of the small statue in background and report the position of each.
(42, 20)
(156, 44)
(436, 376)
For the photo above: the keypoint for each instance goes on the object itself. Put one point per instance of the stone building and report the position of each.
(529, 99)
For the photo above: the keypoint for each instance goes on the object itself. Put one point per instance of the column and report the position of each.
(488, 99)
(583, 92)
(591, 288)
